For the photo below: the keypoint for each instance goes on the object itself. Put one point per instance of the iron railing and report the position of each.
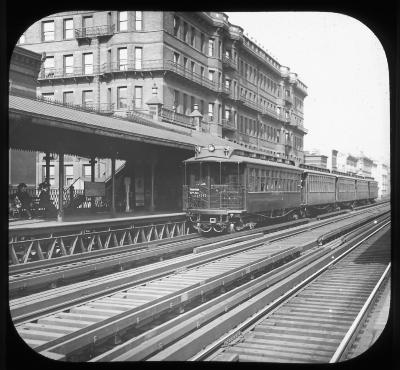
(170, 115)
(250, 103)
(68, 72)
(79, 200)
(213, 196)
(227, 123)
(229, 62)
(96, 31)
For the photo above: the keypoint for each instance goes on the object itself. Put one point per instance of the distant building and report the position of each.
(381, 173)
(315, 159)
(363, 166)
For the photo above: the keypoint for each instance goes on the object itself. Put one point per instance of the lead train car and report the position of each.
(225, 189)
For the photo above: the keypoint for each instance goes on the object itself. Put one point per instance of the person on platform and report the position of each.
(23, 200)
(45, 201)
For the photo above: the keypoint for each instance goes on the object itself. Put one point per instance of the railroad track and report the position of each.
(73, 325)
(317, 323)
(39, 275)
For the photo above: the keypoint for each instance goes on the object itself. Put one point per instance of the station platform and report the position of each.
(74, 222)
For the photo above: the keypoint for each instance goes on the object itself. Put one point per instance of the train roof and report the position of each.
(228, 154)
(241, 159)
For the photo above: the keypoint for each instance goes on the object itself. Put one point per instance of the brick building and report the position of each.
(112, 61)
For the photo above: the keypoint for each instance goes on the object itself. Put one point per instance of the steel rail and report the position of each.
(252, 321)
(76, 293)
(46, 347)
(359, 320)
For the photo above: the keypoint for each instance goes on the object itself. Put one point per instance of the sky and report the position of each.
(344, 67)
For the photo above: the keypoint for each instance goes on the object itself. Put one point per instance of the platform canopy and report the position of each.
(42, 126)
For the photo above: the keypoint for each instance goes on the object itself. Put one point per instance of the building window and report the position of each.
(87, 98)
(138, 97)
(88, 63)
(176, 26)
(48, 96)
(176, 58)
(185, 32)
(192, 102)
(176, 100)
(87, 23)
(68, 29)
(21, 39)
(68, 174)
(193, 37)
(122, 59)
(68, 64)
(138, 21)
(138, 58)
(49, 67)
(122, 100)
(68, 97)
(185, 107)
(48, 31)
(202, 43)
(51, 174)
(211, 47)
(87, 171)
(122, 21)
(211, 111)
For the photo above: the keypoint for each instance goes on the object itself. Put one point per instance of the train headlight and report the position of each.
(211, 148)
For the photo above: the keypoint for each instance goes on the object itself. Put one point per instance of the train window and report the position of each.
(258, 182)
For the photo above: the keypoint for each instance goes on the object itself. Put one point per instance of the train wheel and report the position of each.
(295, 216)
(218, 228)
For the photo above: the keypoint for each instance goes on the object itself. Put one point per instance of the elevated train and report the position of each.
(230, 190)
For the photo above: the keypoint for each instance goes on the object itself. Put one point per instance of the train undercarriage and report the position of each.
(222, 221)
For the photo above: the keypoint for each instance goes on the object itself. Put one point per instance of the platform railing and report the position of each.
(85, 202)
(36, 249)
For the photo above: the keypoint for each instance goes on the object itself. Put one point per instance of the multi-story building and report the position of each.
(112, 61)
(364, 165)
(381, 173)
(315, 159)
(343, 162)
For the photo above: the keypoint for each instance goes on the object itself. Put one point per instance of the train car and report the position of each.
(319, 190)
(224, 190)
(345, 190)
(362, 191)
(372, 190)
(228, 189)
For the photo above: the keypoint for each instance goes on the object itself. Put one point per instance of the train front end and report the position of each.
(213, 190)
